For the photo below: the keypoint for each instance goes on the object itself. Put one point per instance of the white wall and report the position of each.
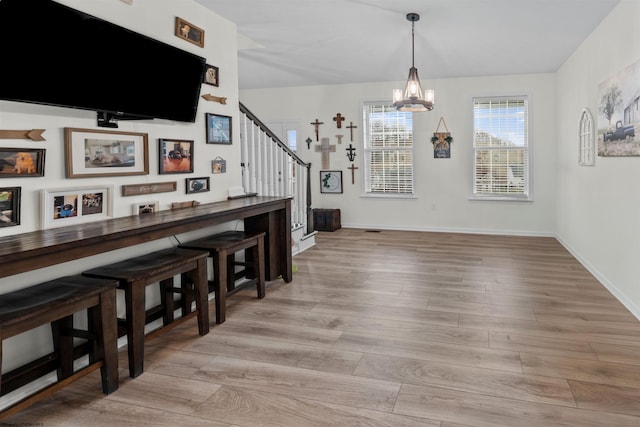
(442, 186)
(154, 19)
(599, 207)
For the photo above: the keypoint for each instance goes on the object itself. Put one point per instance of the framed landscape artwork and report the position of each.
(94, 152)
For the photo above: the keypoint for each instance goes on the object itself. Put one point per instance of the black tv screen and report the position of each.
(56, 55)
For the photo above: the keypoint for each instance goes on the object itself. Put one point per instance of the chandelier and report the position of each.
(412, 99)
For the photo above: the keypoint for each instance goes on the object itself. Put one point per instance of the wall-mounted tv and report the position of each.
(55, 55)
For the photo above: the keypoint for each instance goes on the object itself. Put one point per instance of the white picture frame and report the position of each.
(144, 208)
(68, 206)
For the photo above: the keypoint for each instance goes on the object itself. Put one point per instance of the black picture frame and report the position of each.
(175, 156)
(211, 75)
(21, 162)
(219, 130)
(10, 206)
(197, 185)
(331, 182)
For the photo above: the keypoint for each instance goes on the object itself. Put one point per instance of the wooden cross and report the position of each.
(351, 153)
(317, 125)
(339, 119)
(325, 149)
(351, 128)
(308, 141)
(353, 173)
(339, 138)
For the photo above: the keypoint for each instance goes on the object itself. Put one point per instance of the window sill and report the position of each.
(388, 196)
(500, 199)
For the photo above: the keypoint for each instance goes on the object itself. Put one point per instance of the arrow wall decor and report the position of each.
(32, 134)
(213, 98)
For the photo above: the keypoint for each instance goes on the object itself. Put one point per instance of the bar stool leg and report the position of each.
(63, 345)
(166, 299)
(219, 283)
(106, 340)
(258, 260)
(135, 306)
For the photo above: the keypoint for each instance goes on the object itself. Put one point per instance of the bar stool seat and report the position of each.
(135, 274)
(222, 248)
(55, 302)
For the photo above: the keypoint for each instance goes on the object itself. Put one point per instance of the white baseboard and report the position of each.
(453, 230)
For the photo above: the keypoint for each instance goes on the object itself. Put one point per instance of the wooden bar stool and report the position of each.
(222, 248)
(55, 302)
(135, 274)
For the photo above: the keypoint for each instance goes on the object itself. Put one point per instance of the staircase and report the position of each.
(271, 168)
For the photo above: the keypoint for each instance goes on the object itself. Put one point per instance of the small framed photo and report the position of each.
(16, 162)
(176, 156)
(9, 206)
(197, 185)
(68, 206)
(331, 181)
(189, 32)
(218, 165)
(92, 153)
(218, 129)
(145, 208)
(211, 76)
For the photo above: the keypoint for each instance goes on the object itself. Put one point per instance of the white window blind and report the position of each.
(388, 147)
(501, 148)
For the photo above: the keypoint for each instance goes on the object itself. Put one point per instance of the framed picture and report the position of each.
(9, 206)
(149, 188)
(176, 156)
(197, 185)
(218, 165)
(218, 129)
(145, 208)
(21, 162)
(211, 76)
(331, 181)
(68, 206)
(95, 152)
(189, 32)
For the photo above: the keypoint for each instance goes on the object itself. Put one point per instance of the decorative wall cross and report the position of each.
(351, 127)
(351, 153)
(325, 148)
(308, 141)
(339, 119)
(339, 138)
(353, 173)
(317, 125)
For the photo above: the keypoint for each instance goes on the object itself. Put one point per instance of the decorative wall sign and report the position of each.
(218, 129)
(32, 134)
(325, 148)
(211, 75)
(189, 204)
(339, 119)
(145, 208)
(9, 206)
(317, 127)
(351, 127)
(353, 172)
(94, 152)
(351, 153)
(197, 185)
(18, 162)
(150, 188)
(331, 181)
(189, 32)
(619, 113)
(219, 99)
(68, 206)
(218, 165)
(441, 141)
(175, 156)
(586, 139)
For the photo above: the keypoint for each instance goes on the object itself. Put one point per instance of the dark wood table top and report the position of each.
(28, 251)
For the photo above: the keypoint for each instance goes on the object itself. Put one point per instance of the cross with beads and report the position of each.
(325, 148)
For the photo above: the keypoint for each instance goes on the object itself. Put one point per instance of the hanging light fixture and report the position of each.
(413, 99)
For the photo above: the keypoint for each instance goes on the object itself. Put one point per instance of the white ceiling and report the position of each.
(317, 42)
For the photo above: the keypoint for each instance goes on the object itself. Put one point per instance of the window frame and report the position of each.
(527, 195)
(367, 149)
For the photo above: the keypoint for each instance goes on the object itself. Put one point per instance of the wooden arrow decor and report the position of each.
(33, 134)
(210, 97)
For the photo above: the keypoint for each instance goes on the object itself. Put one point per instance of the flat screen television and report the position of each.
(55, 55)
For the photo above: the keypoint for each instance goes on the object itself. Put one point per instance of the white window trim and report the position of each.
(500, 198)
(363, 161)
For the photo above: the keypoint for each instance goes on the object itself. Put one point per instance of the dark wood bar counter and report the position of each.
(37, 249)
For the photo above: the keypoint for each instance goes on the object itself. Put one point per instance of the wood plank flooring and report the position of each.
(393, 329)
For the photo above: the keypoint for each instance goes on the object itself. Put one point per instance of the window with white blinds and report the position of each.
(388, 150)
(501, 148)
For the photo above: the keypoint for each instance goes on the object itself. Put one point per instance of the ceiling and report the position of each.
(319, 42)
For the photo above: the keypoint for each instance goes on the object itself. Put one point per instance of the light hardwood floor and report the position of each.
(390, 329)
